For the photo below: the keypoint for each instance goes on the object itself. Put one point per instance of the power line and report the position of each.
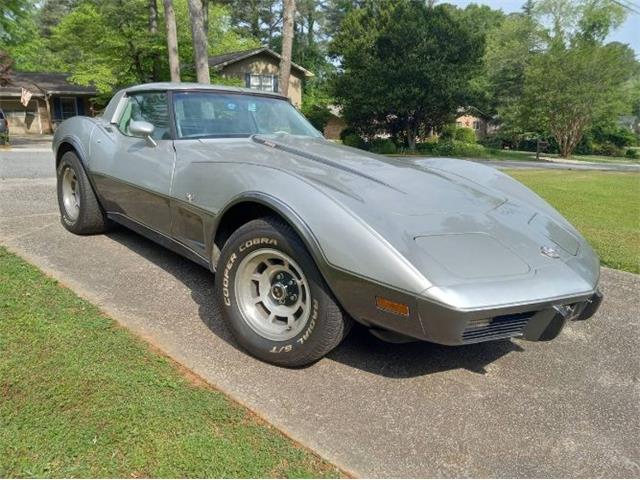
(627, 5)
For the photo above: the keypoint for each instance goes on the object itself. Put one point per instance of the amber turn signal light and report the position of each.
(392, 307)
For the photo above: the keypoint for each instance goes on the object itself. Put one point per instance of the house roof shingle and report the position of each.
(221, 61)
(44, 83)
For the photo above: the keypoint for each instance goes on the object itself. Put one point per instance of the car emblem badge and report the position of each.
(549, 252)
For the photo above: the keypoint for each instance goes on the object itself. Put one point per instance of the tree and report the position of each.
(172, 41)
(567, 89)
(289, 11)
(12, 12)
(510, 49)
(153, 31)
(5, 68)
(200, 41)
(555, 74)
(405, 67)
(335, 12)
(52, 12)
(125, 52)
(259, 19)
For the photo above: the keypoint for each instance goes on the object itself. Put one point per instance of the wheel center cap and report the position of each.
(279, 291)
(284, 289)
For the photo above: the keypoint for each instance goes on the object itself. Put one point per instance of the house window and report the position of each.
(68, 107)
(266, 83)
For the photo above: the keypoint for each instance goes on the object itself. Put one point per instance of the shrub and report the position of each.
(614, 134)
(353, 140)
(426, 147)
(494, 141)
(445, 148)
(383, 146)
(472, 150)
(465, 135)
(318, 115)
(632, 153)
(454, 148)
(608, 149)
(448, 132)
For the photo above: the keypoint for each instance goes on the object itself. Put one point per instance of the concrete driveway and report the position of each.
(568, 408)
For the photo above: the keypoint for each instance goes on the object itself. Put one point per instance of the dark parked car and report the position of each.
(4, 128)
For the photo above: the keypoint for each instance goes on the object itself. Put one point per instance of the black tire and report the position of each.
(91, 218)
(325, 327)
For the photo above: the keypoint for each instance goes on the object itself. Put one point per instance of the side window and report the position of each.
(148, 107)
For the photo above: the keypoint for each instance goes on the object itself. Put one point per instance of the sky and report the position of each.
(629, 32)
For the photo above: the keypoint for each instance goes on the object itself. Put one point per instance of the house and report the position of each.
(259, 68)
(467, 117)
(471, 117)
(54, 98)
(335, 124)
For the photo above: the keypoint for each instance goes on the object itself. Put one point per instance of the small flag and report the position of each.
(25, 97)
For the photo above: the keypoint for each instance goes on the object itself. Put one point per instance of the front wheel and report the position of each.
(273, 297)
(80, 211)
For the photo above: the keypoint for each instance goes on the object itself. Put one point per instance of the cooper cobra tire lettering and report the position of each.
(258, 241)
(254, 242)
(225, 279)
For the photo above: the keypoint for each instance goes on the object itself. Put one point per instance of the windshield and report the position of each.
(213, 114)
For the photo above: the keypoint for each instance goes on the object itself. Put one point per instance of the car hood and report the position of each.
(393, 185)
(458, 222)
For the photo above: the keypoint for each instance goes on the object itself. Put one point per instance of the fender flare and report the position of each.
(77, 146)
(82, 156)
(286, 212)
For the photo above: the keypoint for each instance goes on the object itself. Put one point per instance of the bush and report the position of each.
(632, 153)
(353, 140)
(613, 134)
(495, 141)
(318, 115)
(383, 146)
(465, 135)
(608, 149)
(444, 148)
(454, 148)
(426, 147)
(448, 132)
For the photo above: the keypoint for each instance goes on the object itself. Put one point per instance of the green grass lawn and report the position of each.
(82, 397)
(604, 206)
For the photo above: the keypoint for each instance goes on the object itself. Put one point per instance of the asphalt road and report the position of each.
(567, 408)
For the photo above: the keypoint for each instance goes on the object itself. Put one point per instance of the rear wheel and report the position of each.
(273, 297)
(80, 211)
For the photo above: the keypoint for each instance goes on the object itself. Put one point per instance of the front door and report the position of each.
(134, 177)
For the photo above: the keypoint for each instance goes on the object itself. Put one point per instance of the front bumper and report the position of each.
(433, 322)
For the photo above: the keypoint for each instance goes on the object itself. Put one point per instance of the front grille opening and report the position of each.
(503, 326)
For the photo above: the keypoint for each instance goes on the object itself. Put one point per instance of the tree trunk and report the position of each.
(205, 17)
(310, 25)
(172, 40)
(289, 7)
(412, 133)
(200, 44)
(153, 30)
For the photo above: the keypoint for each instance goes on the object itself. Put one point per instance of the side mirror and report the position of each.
(140, 128)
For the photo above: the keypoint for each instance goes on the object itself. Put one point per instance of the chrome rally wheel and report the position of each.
(272, 294)
(70, 194)
(273, 298)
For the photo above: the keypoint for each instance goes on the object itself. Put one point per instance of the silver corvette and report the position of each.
(305, 236)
